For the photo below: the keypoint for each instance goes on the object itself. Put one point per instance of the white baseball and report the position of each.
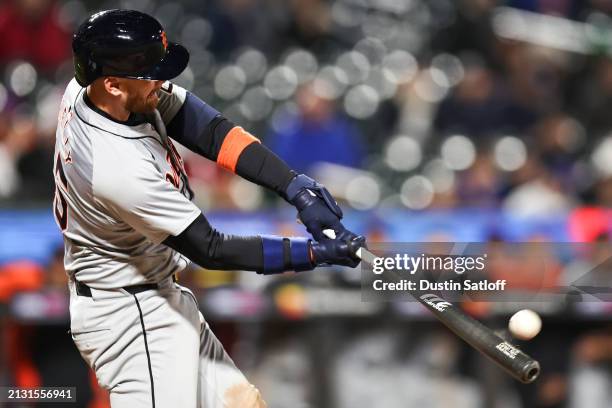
(525, 324)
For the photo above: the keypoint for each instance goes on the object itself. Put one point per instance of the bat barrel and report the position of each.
(513, 360)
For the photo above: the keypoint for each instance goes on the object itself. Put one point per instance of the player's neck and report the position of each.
(108, 104)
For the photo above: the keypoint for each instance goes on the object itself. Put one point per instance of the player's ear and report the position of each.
(112, 85)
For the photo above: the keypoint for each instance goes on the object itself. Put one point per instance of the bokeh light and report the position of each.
(284, 116)
(330, 82)
(186, 79)
(402, 64)
(71, 14)
(431, 85)
(403, 153)
(372, 48)
(256, 104)
(22, 77)
(230, 81)
(355, 65)
(244, 194)
(602, 157)
(348, 15)
(458, 152)
(363, 192)
(510, 153)
(303, 63)
(253, 63)
(442, 178)
(448, 65)
(383, 81)
(197, 32)
(361, 101)
(281, 82)
(3, 97)
(380, 25)
(170, 14)
(417, 192)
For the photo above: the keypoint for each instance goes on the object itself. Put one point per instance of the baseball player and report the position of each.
(124, 206)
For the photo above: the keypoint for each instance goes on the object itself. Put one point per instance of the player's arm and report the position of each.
(204, 130)
(151, 205)
(267, 255)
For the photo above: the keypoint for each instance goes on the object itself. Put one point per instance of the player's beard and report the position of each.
(138, 104)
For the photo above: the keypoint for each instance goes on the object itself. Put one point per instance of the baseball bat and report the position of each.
(517, 363)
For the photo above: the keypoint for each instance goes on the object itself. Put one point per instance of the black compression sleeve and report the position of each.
(260, 165)
(210, 143)
(212, 249)
(202, 129)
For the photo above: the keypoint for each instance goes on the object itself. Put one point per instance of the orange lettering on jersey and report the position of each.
(176, 164)
(172, 177)
(60, 203)
(64, 118)
(234, 143)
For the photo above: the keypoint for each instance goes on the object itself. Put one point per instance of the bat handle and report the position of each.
(329, 233)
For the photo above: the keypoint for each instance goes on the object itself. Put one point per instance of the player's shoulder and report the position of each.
(169, 88)
(171, 99)
(69, 99)
(72, 89)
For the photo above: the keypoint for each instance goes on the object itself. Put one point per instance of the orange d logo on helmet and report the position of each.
(164, 40)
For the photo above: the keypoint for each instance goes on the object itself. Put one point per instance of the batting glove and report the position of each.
(317, 209)
(337, 252)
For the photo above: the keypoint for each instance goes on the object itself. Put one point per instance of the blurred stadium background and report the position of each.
(466, 120)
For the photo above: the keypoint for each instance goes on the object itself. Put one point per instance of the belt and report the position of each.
(84, 290)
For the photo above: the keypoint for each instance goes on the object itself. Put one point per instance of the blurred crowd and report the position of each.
(411, 104)
(402, 103)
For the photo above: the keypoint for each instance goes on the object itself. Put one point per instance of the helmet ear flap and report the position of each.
(86, 70)
(80, 71)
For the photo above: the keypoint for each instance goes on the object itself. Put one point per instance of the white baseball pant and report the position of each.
(154, 349)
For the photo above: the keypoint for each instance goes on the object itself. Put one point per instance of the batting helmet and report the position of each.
(125, 43)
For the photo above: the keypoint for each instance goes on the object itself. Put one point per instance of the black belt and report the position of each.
(84, 290)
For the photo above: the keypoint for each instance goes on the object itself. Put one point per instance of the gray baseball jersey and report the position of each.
(118, 194)
(121, 190)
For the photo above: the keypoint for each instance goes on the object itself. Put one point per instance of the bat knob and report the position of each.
(531, 372)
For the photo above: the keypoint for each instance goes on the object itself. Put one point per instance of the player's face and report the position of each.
(141, 95)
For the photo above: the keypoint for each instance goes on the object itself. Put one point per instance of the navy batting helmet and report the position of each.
(125, 43)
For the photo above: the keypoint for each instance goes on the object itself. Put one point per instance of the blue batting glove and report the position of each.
(317, 209)
(336, 252)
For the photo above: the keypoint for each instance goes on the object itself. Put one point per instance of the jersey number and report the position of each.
(60, 205)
